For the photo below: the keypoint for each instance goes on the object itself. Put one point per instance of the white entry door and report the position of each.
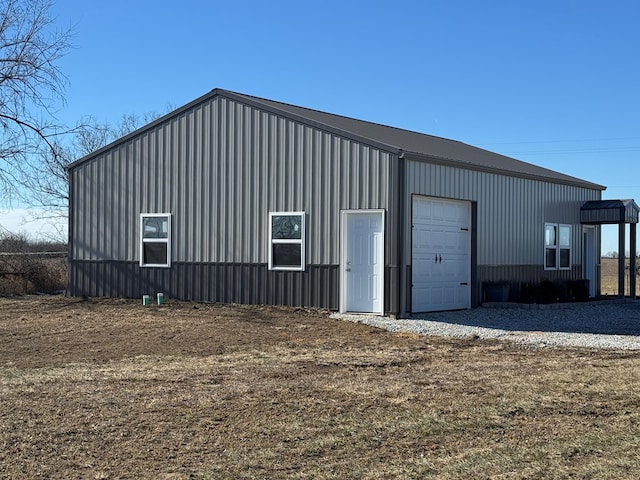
(362, 261)
(441, 255)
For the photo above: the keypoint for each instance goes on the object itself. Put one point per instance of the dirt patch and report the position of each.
(50, 331)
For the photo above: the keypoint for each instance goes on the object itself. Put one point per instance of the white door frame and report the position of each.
(345, 215)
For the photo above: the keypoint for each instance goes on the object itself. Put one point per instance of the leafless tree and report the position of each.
(32, 88)
(48, 186)
(35, 148)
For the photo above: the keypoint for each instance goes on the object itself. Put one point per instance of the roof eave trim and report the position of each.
(487, 169)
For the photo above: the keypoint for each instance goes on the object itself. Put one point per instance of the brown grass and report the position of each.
(609, 277)
(110, 389)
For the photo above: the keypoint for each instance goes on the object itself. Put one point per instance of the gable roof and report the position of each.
(421, 145)
(414, 145)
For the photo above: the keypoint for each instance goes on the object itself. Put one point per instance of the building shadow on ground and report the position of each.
(598, 318)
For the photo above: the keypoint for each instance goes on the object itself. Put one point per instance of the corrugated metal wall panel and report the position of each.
(229, 283)
(511, 211)
(510, 214)
(219, 168)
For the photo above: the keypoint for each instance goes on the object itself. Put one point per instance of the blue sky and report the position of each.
(555, 83)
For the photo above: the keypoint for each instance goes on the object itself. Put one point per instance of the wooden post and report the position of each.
(621, 259)
(632, 260)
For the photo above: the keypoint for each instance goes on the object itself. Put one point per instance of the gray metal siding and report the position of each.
(219, 168)
(221, 282)
(510, 214)
(511, 211)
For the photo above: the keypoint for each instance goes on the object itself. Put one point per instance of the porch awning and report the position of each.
(598, 212)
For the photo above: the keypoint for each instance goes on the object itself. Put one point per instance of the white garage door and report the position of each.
(441, 258)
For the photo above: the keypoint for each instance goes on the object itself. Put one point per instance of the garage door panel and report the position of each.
(439, 297)
(456, 267)
(452, 268)
(441, 260)
(440, 239)
(436, 212)
(457, 242)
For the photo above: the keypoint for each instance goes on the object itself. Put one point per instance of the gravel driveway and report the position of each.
(610, 324)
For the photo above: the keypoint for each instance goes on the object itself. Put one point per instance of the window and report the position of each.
(557, 246)
(550, 246)
(564, 247)
(155, 240)
(286, 241)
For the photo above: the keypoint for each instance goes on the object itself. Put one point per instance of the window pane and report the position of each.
(565, 258)
(154, 253)
(286, 227)
(565, 235)
(287, 255)
(155, 227)
(550, 235)
(550, 258)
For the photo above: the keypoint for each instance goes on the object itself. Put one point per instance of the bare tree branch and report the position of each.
(32, 88)
(48, 184)
(35, 148)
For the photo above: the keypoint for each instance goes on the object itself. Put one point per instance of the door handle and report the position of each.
(347, 269)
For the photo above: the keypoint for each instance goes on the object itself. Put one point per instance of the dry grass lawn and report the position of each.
(111, 389)
(609, 274)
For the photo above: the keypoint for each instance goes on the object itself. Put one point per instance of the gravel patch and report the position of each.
(607, 324)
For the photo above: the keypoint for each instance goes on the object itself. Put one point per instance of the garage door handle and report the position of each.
(438, 259)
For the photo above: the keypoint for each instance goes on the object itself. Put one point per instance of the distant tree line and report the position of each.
(615, 254)
(21, 243)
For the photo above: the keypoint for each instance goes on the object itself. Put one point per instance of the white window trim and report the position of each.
(155, 240)
(565, 246)
(558, 246)
(301, 241)
(547, 247)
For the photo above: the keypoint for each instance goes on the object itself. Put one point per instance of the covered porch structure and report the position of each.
(620, 212)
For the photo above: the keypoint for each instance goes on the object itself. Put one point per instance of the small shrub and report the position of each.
(548, 292)
(24, 271)
(579, 290)
(529, 293)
